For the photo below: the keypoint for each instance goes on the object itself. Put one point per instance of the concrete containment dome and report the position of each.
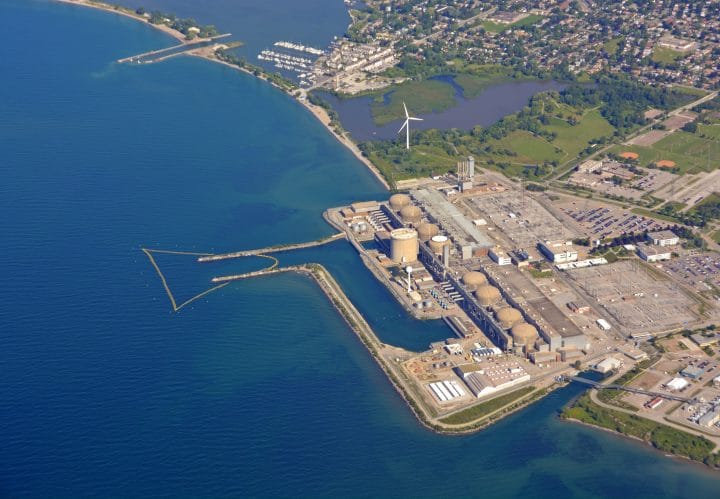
(404, 245)
(427, 231)
(399, 201)
(437, 243)
(411, 214)
(523, 333)
(487, 295)
(474, 279)
(508, 317)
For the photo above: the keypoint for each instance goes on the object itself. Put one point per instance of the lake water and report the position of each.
(259, 389)
(260, 24)
(494, 102)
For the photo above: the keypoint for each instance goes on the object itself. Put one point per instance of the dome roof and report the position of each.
(474, 278)
(487, 295)
(508, 316)
(426, 231)
(398, 201)
(523, 333)
(411, 213)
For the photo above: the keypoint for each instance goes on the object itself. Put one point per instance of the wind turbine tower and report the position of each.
(406, 126)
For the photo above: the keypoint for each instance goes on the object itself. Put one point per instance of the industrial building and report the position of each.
(653, 253)
(663, 238)
(607, 365)
(404, 245)
(485, 380)
(499, 256)
(558, 251)
(676, 384)
(447, 390)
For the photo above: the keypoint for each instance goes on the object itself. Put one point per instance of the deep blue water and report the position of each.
(493, 103)
(259, 388)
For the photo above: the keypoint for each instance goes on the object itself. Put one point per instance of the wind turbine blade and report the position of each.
(415, 119)
(403, 126)
(407, 115)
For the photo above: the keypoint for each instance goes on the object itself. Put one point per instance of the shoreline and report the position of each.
(317, 111)
(324, 278)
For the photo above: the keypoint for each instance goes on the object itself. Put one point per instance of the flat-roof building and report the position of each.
(663, 238)
(558, 251)
(653, 253)
(499, 256)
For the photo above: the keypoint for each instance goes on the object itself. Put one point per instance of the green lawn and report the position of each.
(529, 148)
(420, 97)
(573, 139)
(481, 410)
(666, 56)
(709, 131)
(611, 46)
(473, 84)
(689, 151)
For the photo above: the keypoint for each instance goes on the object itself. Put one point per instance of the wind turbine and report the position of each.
(406, 126)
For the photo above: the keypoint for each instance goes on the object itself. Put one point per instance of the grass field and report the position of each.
(611, 46)
(573, 139)
(689, 151)
(420, 97)
(666, 56)
(710, 131)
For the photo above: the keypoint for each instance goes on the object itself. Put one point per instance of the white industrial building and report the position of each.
(500, 257)
(653, 253)
(607, 365)
(677, 384)
(446, 391)
(663, 238)
(558, 251)
(483, 382)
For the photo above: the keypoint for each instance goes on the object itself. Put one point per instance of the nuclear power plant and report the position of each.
(404, 245)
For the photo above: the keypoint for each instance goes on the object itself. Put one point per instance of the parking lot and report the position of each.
(603, 222)
(698, 271)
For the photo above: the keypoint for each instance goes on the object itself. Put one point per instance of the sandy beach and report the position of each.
(209, 54)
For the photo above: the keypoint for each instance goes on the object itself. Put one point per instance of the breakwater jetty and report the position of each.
(271, 249)
(162, 54)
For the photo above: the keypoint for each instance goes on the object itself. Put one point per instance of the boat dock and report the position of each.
(162, 54)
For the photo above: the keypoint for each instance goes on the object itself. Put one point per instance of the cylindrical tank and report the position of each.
(411, 214)
(404, 246)
(508, 317)
(487, 295)
(523, 333)
(437, 243)
(473, 279)
(427, 231)
(399, 201)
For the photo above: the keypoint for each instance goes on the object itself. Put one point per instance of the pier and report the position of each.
(162, 54)
(271, 249)
(600, 386)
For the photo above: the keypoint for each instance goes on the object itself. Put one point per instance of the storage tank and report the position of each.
(399, 201)
(437, 243)
(411, 214)
(524, 333)
(508, 317)
(487, 295)
(474, 279)
(404, 245)
(427, 231)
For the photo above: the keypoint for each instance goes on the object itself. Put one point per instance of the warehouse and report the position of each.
(663, 238)
(607, 365)
(676, 384)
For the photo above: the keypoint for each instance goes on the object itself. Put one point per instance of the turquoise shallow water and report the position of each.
(260, 388)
